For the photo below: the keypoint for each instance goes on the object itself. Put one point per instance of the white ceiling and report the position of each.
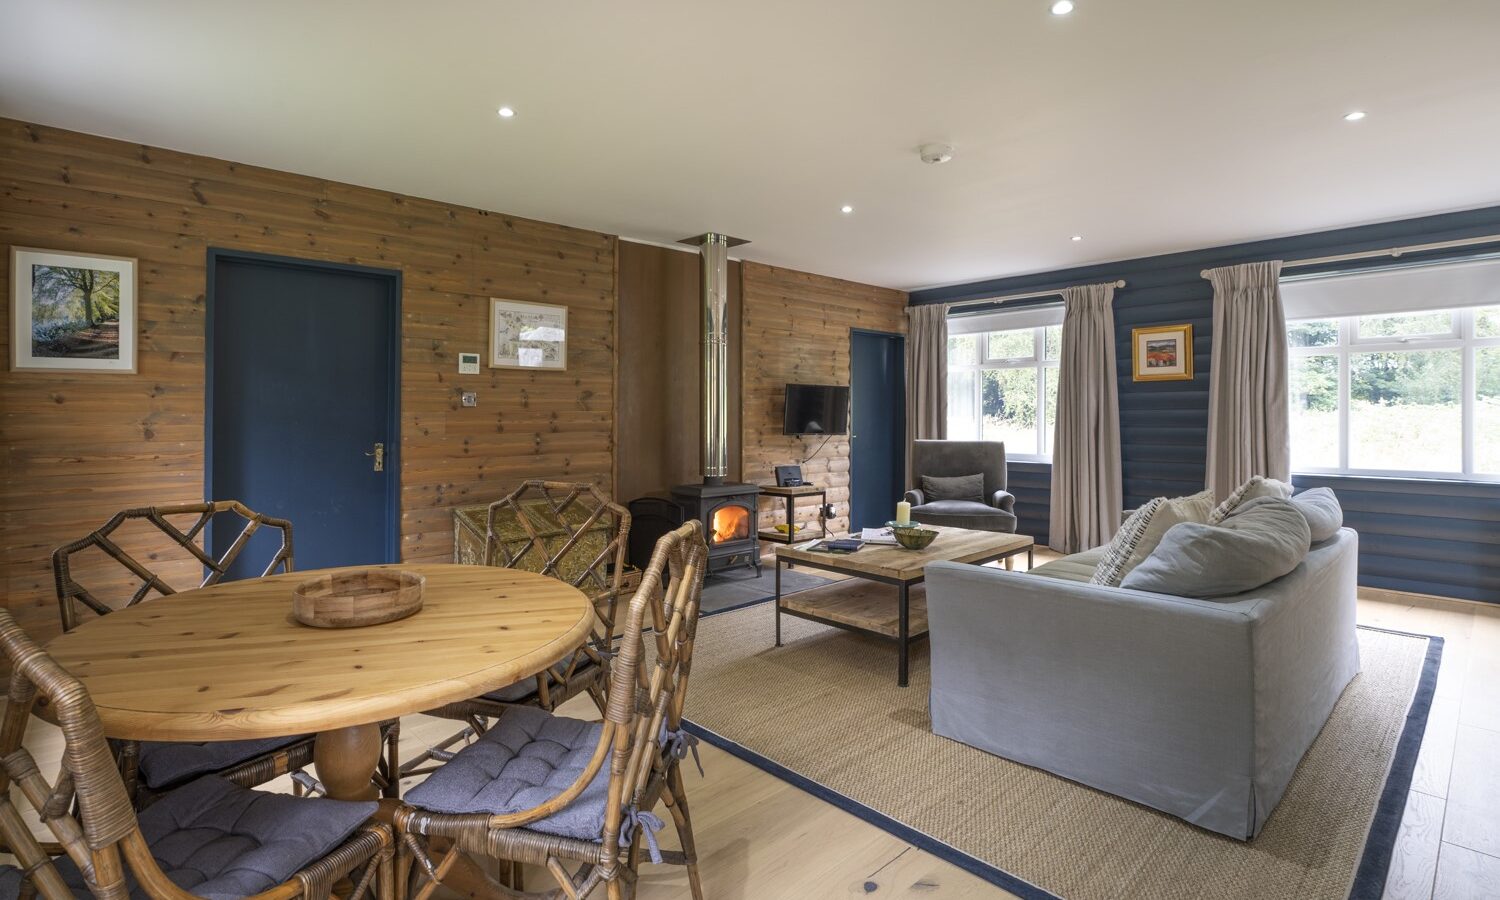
(1145, 125)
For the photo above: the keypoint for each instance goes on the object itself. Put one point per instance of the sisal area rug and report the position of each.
(824, 712)
(741, 587)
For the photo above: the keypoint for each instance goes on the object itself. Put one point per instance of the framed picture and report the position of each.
(528, 335)
(1163, 353)
(72, 313)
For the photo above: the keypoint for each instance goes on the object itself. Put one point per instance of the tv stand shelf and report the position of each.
(792, 495)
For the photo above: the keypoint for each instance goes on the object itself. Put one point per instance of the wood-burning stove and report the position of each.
(728, 514)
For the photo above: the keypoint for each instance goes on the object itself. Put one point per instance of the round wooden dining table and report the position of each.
(229, 662)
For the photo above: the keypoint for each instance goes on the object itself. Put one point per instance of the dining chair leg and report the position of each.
(675, 797)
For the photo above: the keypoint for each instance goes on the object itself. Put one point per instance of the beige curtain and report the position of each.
(1086, 481)
(926, 376)
(1248, 431)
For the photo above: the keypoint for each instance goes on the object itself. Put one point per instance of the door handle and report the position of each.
(379, 454)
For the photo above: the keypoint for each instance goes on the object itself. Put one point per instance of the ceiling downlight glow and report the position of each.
(1354, 116)
(1062, 7)
(846, 209)
(505, 112)
(1076, 237)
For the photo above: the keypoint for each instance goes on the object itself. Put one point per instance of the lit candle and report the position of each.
(903, 512)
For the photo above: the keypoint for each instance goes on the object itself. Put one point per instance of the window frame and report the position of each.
(1037, 360)
(1463, 337)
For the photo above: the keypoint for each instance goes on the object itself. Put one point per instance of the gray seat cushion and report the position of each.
(522, 691)
(528, 758)
(1257, 544)
(163, 764)
(964, 514)
(1077, 567)
(221, 841)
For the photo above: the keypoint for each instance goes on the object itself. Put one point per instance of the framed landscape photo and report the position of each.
(528, 335)
(1163, 353)
(71, 312)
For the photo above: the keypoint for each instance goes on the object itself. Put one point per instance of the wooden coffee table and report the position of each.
(858, 606)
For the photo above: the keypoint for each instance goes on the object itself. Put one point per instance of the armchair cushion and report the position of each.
(958, 487)
(964, 514)
(528, 758)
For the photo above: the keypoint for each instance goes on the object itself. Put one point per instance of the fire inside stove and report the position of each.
(731, 523)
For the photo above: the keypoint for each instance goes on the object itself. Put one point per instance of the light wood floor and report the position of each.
(759, 838)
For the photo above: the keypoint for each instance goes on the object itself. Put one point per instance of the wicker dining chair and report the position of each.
(211, 837)
(571, 532)
(551, 791)
(152, 767)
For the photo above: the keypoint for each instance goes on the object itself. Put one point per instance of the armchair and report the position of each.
(994, 511)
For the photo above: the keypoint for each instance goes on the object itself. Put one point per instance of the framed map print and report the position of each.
(528, 335)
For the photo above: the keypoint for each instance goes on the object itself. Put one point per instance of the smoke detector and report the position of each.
(932, 154)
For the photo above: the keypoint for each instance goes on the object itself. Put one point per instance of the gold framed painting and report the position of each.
(528, 335)
(1163, 352)
(72, 312)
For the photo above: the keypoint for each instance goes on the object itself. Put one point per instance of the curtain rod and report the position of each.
(1389, 251)
(1005, 298)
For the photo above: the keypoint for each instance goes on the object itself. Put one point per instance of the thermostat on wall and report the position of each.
(468, 363)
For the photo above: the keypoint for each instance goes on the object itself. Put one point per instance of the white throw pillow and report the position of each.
(1257, 486)
(1144, 530)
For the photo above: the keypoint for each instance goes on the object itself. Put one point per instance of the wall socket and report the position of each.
(468, 398)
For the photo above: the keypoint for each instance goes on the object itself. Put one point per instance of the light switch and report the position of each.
(469, 398)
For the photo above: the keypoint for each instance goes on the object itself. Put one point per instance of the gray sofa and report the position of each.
(1199, 708)
(994, 511)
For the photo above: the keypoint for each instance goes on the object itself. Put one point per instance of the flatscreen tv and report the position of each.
(816, 409)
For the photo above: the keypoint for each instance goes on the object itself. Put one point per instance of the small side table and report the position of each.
(792, 495)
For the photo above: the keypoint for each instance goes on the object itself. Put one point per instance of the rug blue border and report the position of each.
(1374, 863)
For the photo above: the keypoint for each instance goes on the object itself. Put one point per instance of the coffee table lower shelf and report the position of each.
(858, 605)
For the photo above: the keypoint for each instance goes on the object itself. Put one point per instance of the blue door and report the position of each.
(877, 443)
(303, 379)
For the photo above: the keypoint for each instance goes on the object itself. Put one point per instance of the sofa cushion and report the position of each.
(1143, 530)
(1257, 486)
(163, 764)
(1253, 547)
(958, 487)
(1077, 567)
(1325, 515)
(221, 841)
(528, 758)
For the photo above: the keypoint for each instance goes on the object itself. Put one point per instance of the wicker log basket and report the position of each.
(357, 597)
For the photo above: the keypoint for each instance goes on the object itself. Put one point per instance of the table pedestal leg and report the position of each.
(345, 760)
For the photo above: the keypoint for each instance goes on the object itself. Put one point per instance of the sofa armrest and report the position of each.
(1004, 500)
(915, 498)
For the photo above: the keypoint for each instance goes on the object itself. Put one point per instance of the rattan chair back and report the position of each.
(71, 594)
(88, 808)
(648, 684)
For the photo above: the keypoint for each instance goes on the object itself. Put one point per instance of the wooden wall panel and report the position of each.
(75, 448)
(796, 329)
(659, 410)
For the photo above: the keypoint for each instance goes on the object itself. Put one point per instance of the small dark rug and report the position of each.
(742, 587)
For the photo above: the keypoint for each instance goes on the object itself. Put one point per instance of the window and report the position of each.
(1002, 386)
(1398, 393)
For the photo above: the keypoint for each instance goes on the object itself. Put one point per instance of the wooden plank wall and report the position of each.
(76, 448)
(797, 330)
(658, 406)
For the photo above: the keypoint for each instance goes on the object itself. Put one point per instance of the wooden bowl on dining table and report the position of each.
(357, 597)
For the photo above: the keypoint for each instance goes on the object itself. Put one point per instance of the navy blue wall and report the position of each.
(1431, 537)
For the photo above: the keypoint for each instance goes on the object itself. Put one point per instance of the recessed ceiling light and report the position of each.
(1354, 116)
(846, 209)
(506, 112)
(1076, 237)
(1062, 7)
